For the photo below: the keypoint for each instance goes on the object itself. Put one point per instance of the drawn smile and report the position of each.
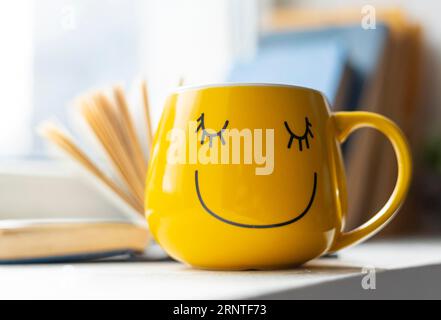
(264, 226)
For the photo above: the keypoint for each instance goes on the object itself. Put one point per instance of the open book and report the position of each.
(115, 159)
(111, 124)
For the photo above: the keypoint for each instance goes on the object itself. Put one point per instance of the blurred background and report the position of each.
(380, 56)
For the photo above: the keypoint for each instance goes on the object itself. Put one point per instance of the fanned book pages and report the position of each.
(117, 164)
(110, 121)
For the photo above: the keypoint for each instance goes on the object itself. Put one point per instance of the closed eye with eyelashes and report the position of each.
(211, 136)
(303, 138)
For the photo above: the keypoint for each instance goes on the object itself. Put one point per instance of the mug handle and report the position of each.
(345, 124)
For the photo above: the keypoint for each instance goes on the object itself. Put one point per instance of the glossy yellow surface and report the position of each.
(218, 216)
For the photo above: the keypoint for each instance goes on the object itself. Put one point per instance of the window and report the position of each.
(54, 50)
(79, 45)
(16, 19)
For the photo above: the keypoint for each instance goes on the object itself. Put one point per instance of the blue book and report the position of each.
(320, 58)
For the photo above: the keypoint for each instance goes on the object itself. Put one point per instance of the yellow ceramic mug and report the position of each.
(251, 176)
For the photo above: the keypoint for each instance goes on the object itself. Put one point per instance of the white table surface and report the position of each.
(416, 263)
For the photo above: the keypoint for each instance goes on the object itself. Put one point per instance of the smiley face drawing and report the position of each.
(301, 140)
(254, 182)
